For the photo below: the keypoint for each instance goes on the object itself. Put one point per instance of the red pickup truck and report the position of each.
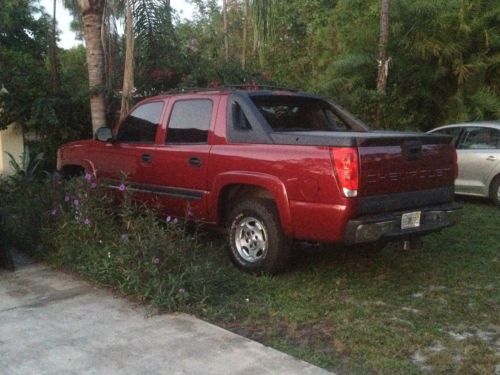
(274, 166)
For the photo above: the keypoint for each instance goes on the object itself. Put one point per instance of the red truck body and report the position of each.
(347, 186)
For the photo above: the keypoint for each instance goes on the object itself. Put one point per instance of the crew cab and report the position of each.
(273, 166)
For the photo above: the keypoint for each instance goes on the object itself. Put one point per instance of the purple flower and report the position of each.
(182, 291)
(67, 198)
(86, 221)
(76, 202)
(168, 219)
(54, 212)
(175, 221)
(122, 187)
(93, 185)
(88, 177)
(156, 260)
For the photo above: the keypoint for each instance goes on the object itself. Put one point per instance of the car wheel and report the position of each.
(495, 191)
(257, 243)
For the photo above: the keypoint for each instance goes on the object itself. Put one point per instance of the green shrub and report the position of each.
(25, 205)
(110, 238)
(107, 236)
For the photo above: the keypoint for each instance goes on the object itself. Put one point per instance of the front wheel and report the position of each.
(257, 243)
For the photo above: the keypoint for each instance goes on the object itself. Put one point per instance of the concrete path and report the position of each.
(51, 323)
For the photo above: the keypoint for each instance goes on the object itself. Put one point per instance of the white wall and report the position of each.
(11, 140)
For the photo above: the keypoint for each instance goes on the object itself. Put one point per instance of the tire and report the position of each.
(495, 191)
(257, 243)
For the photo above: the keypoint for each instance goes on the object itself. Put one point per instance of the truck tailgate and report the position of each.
(403, 171)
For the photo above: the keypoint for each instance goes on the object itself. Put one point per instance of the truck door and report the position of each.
(181, 163)
(129, 157)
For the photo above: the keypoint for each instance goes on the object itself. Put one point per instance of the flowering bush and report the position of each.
(107, 236)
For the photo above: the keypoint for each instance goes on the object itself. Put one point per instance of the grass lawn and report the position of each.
(435, 309)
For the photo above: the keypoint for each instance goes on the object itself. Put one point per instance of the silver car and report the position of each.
(478, 151)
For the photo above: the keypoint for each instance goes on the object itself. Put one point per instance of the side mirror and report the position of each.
(104, 134)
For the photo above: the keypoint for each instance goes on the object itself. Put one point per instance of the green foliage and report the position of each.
(444, 55)
(55, 117)
(80, 226)
(24, 41)
(28, 168)
(25, 206)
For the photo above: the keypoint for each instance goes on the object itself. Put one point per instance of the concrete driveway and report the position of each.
(52, 323)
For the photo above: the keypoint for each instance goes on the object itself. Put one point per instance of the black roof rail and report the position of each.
(249, 86)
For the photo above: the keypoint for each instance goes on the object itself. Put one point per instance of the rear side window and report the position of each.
(476, 138)
(141, 124)
(295, 113)
(190, 121)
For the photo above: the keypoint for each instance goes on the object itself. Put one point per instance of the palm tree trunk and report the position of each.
(244, 44)
(383, 60)
(91, 11)
(128, 74)
(255, 41)
(54, 73)
(226, 38)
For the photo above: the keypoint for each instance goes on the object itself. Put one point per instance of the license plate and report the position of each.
(411, 220)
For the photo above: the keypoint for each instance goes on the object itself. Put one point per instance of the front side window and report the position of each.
(190, 121)
(294, 113)
(141, 124)
(477, 138)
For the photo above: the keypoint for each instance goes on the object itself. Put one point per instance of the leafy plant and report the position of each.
(28, 168)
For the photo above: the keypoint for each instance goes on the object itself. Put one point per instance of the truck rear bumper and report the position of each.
(373, 227)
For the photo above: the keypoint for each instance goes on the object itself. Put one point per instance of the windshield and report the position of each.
(296, 113)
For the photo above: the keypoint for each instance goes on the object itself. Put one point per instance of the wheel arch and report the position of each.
(73, 168)
(231, 186)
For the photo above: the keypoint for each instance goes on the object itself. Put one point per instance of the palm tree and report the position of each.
(128, 71)
(245, 31)
(226, 37)
(54, 73)
(383, 59)
(92, 12)
(144, 21)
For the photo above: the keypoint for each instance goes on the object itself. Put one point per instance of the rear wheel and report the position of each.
(495, 191)
(257, 243)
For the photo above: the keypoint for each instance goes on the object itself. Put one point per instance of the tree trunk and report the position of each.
(255, 46)
(169, 8)
(226, 38)
(105, 40)
(244, 44)
(54, 72)
(383, 59)
(92, 11)
(128, 73)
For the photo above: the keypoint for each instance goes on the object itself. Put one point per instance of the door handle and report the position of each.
(194, 161)
(491, 158)
(146, 158)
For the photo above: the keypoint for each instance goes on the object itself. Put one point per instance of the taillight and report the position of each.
(345, 161)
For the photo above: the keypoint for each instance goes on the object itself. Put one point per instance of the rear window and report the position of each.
(294, 113)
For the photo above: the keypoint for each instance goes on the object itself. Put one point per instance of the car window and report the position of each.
(190, 121)
(453, 132)
(477, 138)
(141, 124)
(294, 113)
